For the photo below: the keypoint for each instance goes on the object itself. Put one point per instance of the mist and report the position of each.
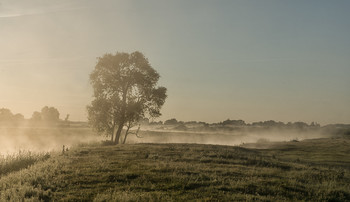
(44, 136)
(43, 139)
(230, 138)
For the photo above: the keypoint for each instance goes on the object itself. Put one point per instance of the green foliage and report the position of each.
(125, 91)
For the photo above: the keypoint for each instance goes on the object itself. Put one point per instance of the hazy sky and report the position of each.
(251, 60)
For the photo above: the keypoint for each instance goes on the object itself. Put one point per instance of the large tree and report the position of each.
(125, 92)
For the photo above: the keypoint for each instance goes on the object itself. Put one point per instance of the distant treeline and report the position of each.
(51, 116)
(6, 116)
(228, 122)
(239, 125)
(47, 115)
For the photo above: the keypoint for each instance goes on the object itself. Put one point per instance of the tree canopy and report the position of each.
(50, 114)
(7, 117)
(125, 92)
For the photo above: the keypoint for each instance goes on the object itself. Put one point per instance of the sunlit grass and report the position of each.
(182, 172)
(20, 160)
(36, 183)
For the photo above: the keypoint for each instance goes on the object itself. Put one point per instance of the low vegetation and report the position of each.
(20, 160)
(317, 170)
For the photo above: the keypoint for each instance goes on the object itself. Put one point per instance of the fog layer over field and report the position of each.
(40, 139)
(232, 138)
(46, 138)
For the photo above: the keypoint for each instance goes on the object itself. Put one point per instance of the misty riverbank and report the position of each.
(42, 139)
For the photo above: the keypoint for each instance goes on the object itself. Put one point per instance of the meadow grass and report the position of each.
(20, 160)
(289, 171)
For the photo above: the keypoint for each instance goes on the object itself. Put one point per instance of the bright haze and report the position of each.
(251, 60)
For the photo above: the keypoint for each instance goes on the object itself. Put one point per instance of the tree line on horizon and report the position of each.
(51, 114)
(46, 115)
(237, 123)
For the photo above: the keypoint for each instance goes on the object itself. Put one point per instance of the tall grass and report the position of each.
(36, 183)
(20, 160)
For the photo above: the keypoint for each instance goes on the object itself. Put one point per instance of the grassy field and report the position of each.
(20, 160)
(316, 170)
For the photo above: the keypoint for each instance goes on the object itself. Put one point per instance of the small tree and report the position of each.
(125, 91)
(171, 122)
(18, 117)
(50, 114)
(5, 115)
(36, 116)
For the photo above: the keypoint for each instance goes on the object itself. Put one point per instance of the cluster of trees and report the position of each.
(233, 122)
(270, 123)
(174, 121)
(298, 124)
(47, 114)
(6, 116)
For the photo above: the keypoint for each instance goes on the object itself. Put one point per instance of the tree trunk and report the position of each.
(112, 136)
(122, 119)
(119, 131)
(126, 134)
(113, 132)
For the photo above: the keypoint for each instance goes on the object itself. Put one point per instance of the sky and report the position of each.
(239, 59)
